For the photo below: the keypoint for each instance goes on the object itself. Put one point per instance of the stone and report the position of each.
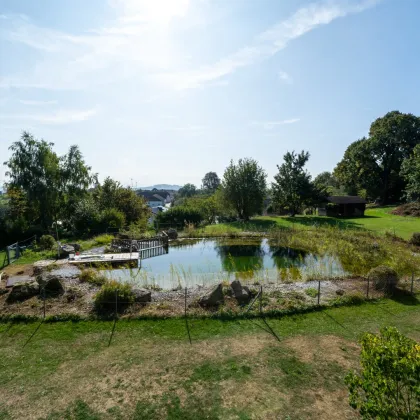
(339, 292)
(142, 295)
(213, 298)
(172, 234)
(21, 291)
(51, 284)
(66, 250)
(240, 293)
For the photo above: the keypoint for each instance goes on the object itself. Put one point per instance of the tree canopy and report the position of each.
(244, 187)
(210, 182)
(292, 187)
(188, 190)
(410, 171)
(373, 164)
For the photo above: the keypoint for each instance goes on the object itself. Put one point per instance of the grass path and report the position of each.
(233, 369)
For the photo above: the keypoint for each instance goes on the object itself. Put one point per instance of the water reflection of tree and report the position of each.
(184, 243)
(287, 257)
(244, 258)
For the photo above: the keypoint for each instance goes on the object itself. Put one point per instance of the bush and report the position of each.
(312, 292)
(180, 216)
(112, 218)
(389, 384)
(112, 295)
(415, 239)
(47, 242)
(384, 278)
(409, 209)
(92, 276)
(103, 239)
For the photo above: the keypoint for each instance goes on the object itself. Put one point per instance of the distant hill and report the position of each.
(162, 187)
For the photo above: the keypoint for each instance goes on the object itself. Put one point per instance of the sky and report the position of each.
(163, 91)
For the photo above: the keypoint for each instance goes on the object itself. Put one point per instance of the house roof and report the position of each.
(153, 195)
(346, 199)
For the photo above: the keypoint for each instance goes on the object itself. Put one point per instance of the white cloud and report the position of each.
(269, 125)
(59, 117)
(36, 103)
(285, 77)
(267, 43)
(140, 42)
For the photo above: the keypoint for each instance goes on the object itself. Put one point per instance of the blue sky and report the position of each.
(160, 91)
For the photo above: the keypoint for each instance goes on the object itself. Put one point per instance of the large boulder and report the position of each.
(50, 284)
(383, 278)
(22, 291)
(240, 293)
(142, 295)
(66, 250)
(213, 298)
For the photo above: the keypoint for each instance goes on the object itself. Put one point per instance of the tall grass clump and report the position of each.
(114, 295)
(89, 275)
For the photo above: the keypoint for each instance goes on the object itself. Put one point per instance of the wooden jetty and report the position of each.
(131, 251)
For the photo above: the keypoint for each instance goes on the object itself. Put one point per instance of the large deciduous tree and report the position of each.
(244, 187)
(374, 163)
(210, 182)
(49, 183)
(292, 187)
(410, 171)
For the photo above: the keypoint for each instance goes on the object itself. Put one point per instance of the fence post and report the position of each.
(116, 303)
(412, 283)
(43, 294)
(261, 293)
(186, 316)
(319, 291)
(367, 290)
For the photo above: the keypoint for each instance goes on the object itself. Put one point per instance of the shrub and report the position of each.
(92, 276)
(47, 242)
(103, 239)
(114, 295)
(180, 216)
(384, 278)
(389, 384)
(112, 218)
(409, 209)
(415, 239)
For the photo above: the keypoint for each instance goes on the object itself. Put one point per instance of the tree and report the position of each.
(292, 187)
(388, 386)
(244, 187)
(327, 183)
(188, 190)
(49, 183)
(210, 182)
(374, 163)
(410, 171)
(358, 170)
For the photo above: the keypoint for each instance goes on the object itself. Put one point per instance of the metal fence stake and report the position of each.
(261, 293)
(412, 283)
(43, 293)
(116, 303)
(319, 291)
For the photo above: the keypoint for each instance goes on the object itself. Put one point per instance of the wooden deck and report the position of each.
(125, 257)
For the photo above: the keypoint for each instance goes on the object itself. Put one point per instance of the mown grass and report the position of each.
(233, 369)
(378, 220)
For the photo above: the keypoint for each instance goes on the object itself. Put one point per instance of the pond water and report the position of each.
(209, 261)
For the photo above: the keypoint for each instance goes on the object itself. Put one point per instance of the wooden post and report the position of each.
(367, 290)
(319, 291)
(412, 283)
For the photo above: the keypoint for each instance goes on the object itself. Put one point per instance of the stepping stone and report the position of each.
(18, 279)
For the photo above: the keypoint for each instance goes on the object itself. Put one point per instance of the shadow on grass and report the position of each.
(405, 297)
(33, 334)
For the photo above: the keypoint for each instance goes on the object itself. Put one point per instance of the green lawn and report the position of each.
(379, 220)
(292, 367)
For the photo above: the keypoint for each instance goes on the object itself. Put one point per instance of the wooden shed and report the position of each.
(346, 206)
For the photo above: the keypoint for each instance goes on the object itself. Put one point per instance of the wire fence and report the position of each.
(256, 301)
